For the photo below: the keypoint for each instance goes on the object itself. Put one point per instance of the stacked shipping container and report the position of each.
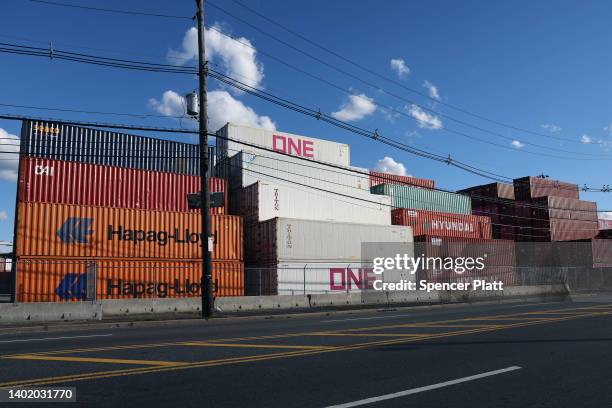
(424, 199)
(116, 201)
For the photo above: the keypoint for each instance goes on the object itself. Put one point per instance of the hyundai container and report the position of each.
(67, 182)
(444, 224)
(68, 279)
(377, 177)
(266, 200)
(526, 188)
(74, 143)
(63, 230)
(244, 169)
(423, 199)
(296, 145)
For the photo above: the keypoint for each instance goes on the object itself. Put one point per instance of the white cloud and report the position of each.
(424, 119)
(608, 129)
(388, 165)
(517, 144)
(400, 67)
(9, 158)
(586, 139)
(356, 107)
(605, 215)
(223, 108)
(551, 127)
(432, 90)
(171, 104)
(237, 57)
(3, 216)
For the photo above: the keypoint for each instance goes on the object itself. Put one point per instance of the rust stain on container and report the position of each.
(61, 230)
(65, 279)
(377, 178)
(445, 224)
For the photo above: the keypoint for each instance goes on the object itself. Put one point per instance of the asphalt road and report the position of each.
(504, 355)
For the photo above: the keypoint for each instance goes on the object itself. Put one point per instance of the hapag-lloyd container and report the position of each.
(303, 146)
(263, 201)
(67, 182)
(377, 177)
(66, 279)
(62, 230)
(444, 224)
(294, 240)
(424, 199)
(497, 259)
(95, 146)
(526, 188)
(246, 168)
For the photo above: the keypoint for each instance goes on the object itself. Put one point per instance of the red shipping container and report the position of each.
(444, 224)
(492, 190)
(377, 178)
(526, 188)
(67, 182)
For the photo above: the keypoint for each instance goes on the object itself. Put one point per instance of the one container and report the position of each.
(66, 279)
(303, 278)
(492, 259)
(294, 240)
(66, 182)
(95, 146)
(303, 146)
(263, 201)
(444, 224)
(62, 230)
(244, 169)
(526, 188)
(423, 199)
(377, 177)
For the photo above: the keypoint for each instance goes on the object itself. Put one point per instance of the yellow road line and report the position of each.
(97, 360)
(369, 334)
(263, 346)
(118, 373)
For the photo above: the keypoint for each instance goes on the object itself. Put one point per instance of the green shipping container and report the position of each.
(424, 199)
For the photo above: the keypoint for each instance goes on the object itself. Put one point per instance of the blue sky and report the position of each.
(524, 63)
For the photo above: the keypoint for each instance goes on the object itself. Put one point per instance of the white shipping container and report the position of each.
(308, 147)
(246, 168)
(265, 200)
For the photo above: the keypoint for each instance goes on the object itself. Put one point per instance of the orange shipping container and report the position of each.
(71, 231)
(55, 280)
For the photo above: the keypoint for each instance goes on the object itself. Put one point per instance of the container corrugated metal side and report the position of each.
(263, 201)
(491, 190)
(423, 199)
(602, 253)
(445, 224)
(303, 146)
(74, 143)
(298, 278)
(65, 182)
(604, 224)
(526, 188)
(503, 222)
(565, 208)
(62, 230)
(296, 240)
(65, 279)
(498, 257)
(570, 230)
(377, 177)
(246, 168)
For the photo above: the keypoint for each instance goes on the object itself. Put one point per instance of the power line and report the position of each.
(387, 78)
(107, 10)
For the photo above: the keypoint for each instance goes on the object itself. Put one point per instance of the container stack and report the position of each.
(108, 211)
(304, 220)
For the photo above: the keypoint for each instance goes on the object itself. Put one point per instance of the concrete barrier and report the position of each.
(46, 312)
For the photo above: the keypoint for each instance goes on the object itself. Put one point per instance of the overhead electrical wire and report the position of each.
(108, 10)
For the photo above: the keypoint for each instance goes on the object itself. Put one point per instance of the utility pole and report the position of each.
(206, 282)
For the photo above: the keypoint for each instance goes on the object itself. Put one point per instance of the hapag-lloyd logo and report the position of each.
(293, 145)
(76, 230)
